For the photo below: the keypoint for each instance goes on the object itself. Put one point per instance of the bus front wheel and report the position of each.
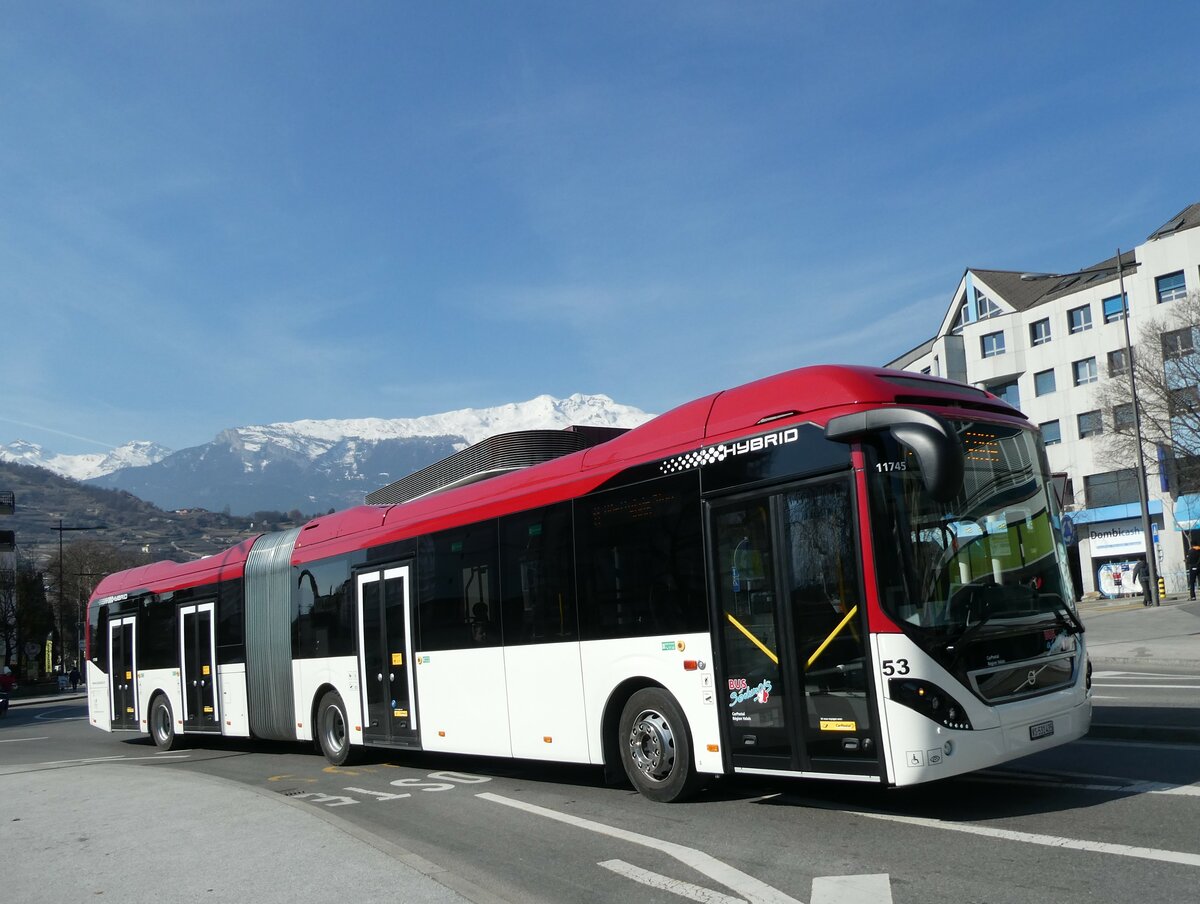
(162, 724)
(333, 732)
(656, 748)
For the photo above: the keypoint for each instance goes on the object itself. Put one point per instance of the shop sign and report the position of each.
(1117, 538)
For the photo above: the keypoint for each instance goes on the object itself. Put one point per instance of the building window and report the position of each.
(985, 307)
(1118, 363)
(1090, 424)
(1177, 343)
(1008, 392)
(927, 370)
(1079, 319)
(992, 344)
(1170, 287)
(1084, 371)
(1123, 417)
(1051, 433)
(1184, 402)
(1113, 488)
(964, 314)
(1113, 309)
(1039, 332)
(1043, 382)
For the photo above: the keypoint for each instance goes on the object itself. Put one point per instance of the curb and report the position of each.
(30, 701)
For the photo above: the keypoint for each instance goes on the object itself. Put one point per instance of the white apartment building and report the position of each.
(1045, 345)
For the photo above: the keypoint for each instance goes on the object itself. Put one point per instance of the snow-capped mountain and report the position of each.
(136, 454)
(313, 439)
(315, 465)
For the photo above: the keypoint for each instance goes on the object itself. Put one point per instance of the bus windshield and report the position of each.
(989, 562)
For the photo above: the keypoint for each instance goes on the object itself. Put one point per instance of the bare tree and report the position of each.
(1166, 367)
(85, 563)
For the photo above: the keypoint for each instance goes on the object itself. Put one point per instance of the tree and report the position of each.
(85, 563)
(35, 621)
(8, 615)
(1166, 367)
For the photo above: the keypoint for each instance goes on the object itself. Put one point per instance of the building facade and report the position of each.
(1049, 345)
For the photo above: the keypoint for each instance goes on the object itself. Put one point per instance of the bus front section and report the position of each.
(982, 656)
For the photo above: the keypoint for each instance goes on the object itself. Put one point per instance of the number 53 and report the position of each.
(895, 667)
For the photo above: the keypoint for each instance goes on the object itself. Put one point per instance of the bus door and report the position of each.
(795, 689)
(122, 671)
(198, 661)
(385, 655)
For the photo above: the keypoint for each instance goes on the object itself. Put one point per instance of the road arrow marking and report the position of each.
(753, 890)
(675, 886)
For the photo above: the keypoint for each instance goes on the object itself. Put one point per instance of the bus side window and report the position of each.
(641, 560)
(458, 600)
(537, 576)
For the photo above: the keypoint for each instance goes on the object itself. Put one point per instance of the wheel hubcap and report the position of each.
(652, 745)
(335, 728)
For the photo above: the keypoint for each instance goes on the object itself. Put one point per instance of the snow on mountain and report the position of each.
(314, 438)
(87, 465)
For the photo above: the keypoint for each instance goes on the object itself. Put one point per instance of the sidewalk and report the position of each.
(142, 835)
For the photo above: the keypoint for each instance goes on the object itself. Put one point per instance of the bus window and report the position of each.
(641, 560)
(459, 603)
(537, 577)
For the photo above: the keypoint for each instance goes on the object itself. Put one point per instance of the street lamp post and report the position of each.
(61, 603)
(1143, 497)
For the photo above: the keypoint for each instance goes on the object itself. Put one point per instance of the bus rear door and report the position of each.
(385, 656)
(795, 691)
(197, 656)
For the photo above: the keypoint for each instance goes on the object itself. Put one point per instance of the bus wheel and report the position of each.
(162, 724)
(333, 731)
(656, 749)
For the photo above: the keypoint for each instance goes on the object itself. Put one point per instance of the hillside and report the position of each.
(43, 498)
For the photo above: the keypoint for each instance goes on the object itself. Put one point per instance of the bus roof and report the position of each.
(809, 394)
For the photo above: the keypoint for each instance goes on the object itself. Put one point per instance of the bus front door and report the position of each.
(795, 691)
(197, 648)
(385, 657)
(122, 672)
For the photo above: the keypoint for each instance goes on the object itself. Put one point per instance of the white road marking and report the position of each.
(675, 886)
(14, 740)
(868, 889)
(329, 800)
(753, 890)
(381, 795)
(1099, 847)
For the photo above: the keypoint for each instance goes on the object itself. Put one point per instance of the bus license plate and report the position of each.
(1041, 730)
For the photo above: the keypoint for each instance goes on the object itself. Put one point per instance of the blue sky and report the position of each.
(226, 213)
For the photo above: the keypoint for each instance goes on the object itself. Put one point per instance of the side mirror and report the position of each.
(929, 437)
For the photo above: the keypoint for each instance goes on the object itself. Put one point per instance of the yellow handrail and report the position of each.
(832, 635)
(754, 640)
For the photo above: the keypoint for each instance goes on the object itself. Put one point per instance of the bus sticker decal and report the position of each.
(838, 725)
(760, 693)
(711, 454)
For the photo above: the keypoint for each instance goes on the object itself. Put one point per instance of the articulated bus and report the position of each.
(836, 572)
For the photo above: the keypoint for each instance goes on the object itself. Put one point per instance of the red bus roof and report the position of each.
(809, 394)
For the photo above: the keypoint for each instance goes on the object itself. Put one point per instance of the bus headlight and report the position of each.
(930, 701)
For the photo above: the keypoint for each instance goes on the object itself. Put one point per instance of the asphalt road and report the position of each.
(1096, 820)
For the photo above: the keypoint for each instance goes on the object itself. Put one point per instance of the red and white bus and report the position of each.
(835, 572)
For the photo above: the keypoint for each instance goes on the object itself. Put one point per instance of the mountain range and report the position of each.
(311, 466)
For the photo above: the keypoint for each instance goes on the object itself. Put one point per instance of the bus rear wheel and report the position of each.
(162, 724)
(333, 730)
(656, 748)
